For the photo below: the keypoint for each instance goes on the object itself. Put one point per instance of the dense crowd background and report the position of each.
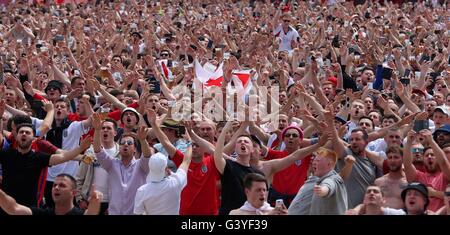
(328, 107)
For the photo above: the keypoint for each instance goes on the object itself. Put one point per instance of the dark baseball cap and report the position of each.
(54, 84)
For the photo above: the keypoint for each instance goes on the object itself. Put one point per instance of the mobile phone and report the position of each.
(58, 37)
(405, 81)
(420, 125)
(279, 203)
(226, 55)
(156, 86)
(386, 73)
(425, 58)
(335, 42)
(407, 73)
(210, 44)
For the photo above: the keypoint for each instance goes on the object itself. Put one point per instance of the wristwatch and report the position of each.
(189, 143)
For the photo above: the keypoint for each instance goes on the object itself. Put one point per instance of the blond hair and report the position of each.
(329, 154)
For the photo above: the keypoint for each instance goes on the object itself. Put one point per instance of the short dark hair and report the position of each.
(394, 149)
(74, 79)
(25, 125)
(59, 100)
(71, 178)
(111, 121)
(365, 135)
(19, 119)
(253, 177)
(366, 117)
(115, 92)
(390, 117)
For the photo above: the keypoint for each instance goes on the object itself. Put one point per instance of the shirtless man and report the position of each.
(393, 182)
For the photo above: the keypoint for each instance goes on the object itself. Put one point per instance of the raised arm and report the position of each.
(142, 137)
(97, 125)
(438, 153)
(95, 202)
(338, 143)
(230, 146)
(410, 170)
(219, 161)
(163, 139)
(10, 206)
(59, 158)
(106, 94)
(280, 164)
(202, 143)
(348, 167)
(49, 117)
(186, 159)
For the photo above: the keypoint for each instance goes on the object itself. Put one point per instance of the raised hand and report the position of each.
(86, 143)
(28, 88)
(96, 121)
(142, 133)
(151, 115)
(349, 159)
(411, 136)
(48, 105)
(96, 196)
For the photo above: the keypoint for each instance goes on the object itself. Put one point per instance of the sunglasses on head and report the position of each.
(128, 142)
(291, 134)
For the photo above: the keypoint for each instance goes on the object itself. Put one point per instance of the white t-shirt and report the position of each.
(161, 198)
(379, 146)
(100, 179)
(390, 211)
(286, 38)
(70, 141)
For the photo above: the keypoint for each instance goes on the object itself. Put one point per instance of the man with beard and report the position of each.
(126, 173)
(89, 172)
(363, 172)
(22, 166)
(232, 172)
(437, 167)
(442, 135)
(393, 183)
(417, 150)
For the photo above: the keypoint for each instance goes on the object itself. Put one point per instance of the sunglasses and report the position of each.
(128, 142)
(289, 135)
(447, 194)
(287, 21)
(417, 150)
(164, 54)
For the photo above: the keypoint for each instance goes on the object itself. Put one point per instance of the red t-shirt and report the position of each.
(437, 181)
(201, 195)
(289, 180)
